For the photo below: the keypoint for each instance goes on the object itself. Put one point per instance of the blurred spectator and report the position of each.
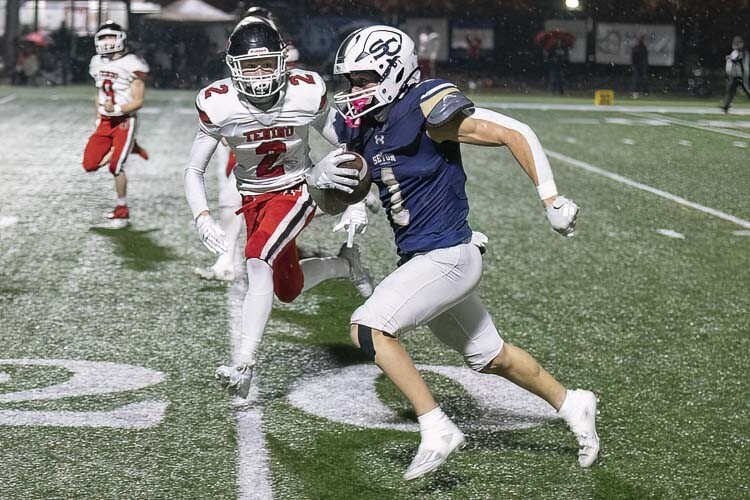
(427, 50)
(737, 71)
(30, 65)
(557, 59)
(639, 61)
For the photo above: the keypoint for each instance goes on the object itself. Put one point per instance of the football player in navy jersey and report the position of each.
(409, 132)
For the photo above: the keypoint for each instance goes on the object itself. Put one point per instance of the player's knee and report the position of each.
(362, 338)
(288, 293)
(491, 359)
(89, 165)
(500, 363)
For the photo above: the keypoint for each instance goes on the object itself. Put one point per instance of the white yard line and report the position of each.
(253, 472)
(644, 187)
(689, 124)
(8, 98)
(609, 109)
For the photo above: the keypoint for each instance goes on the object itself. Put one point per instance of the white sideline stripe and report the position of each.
(685, 123)
(8, 98)
(608, 109)
(252, 472)
(644, 187)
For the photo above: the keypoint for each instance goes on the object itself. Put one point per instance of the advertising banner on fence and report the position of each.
(614, 42)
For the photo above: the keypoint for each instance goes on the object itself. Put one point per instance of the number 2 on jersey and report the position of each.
(272, 150)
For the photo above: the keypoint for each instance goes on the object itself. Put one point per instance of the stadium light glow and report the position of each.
(572, 4)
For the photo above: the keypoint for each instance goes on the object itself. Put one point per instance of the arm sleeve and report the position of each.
(546, 182)
(204, 146)
(324, 125)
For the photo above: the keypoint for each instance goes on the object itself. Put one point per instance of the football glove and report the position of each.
(328, 175)
(562, 214)
(354, 218)
(211, 234)
(479, 240)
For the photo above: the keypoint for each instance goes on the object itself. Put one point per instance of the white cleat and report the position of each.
(358, 274)
(434, 450)
(579, 411)
(214, 274)
(235, 379)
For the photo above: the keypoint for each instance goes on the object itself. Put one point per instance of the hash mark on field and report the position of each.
(670, 233)
(644, 187)
(8, 98)
(739, 144)
(4, 377)
(8, 220)
(742, 232)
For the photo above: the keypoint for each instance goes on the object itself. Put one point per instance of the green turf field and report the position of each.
(108, 342)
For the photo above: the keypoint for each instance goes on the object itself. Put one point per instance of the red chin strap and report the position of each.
(357, 106)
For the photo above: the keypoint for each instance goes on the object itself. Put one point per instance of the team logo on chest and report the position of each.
(266, 134)
(379, 139)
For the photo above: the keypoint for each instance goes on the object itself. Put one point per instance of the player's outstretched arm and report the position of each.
(487, 128)
(203, 148)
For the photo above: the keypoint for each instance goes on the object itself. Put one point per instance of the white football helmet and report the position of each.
(387, 51)
(103, 41)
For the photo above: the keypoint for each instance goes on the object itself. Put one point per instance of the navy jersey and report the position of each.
(422, 183)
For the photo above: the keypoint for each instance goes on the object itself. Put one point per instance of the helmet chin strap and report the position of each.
(262, 103)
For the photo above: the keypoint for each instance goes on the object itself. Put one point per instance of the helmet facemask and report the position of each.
(109, 41)
(259, 74)
(355, 104)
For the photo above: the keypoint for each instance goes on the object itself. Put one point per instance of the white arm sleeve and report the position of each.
(546, 187)
(324, 125)
(195, 187)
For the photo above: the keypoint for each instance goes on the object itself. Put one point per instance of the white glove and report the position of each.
(479, 240)
(328, 175)
(354, 219)
(562, 215)
(211, 234)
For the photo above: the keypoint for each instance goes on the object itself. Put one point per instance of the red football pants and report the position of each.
(273, 221)
(113, 131)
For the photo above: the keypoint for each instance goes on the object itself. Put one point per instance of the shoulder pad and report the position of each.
(447, 107)
(214, 103)
(137, 65)
(307, 90)
(440, 101)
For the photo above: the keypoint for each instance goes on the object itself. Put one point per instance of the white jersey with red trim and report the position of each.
(272, 147)
(113, 78)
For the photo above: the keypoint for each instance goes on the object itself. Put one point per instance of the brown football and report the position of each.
(365, 180)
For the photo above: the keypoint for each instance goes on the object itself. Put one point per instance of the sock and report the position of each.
(433, 419)
(256, 309)
(121, 201)
(566, 407)
(317, 270)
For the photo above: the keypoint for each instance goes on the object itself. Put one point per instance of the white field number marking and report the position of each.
(347, 395)
(88, 378)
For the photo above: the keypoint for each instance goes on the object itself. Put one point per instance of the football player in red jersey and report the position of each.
(229, 198)
(264, 113)
(119, 77)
